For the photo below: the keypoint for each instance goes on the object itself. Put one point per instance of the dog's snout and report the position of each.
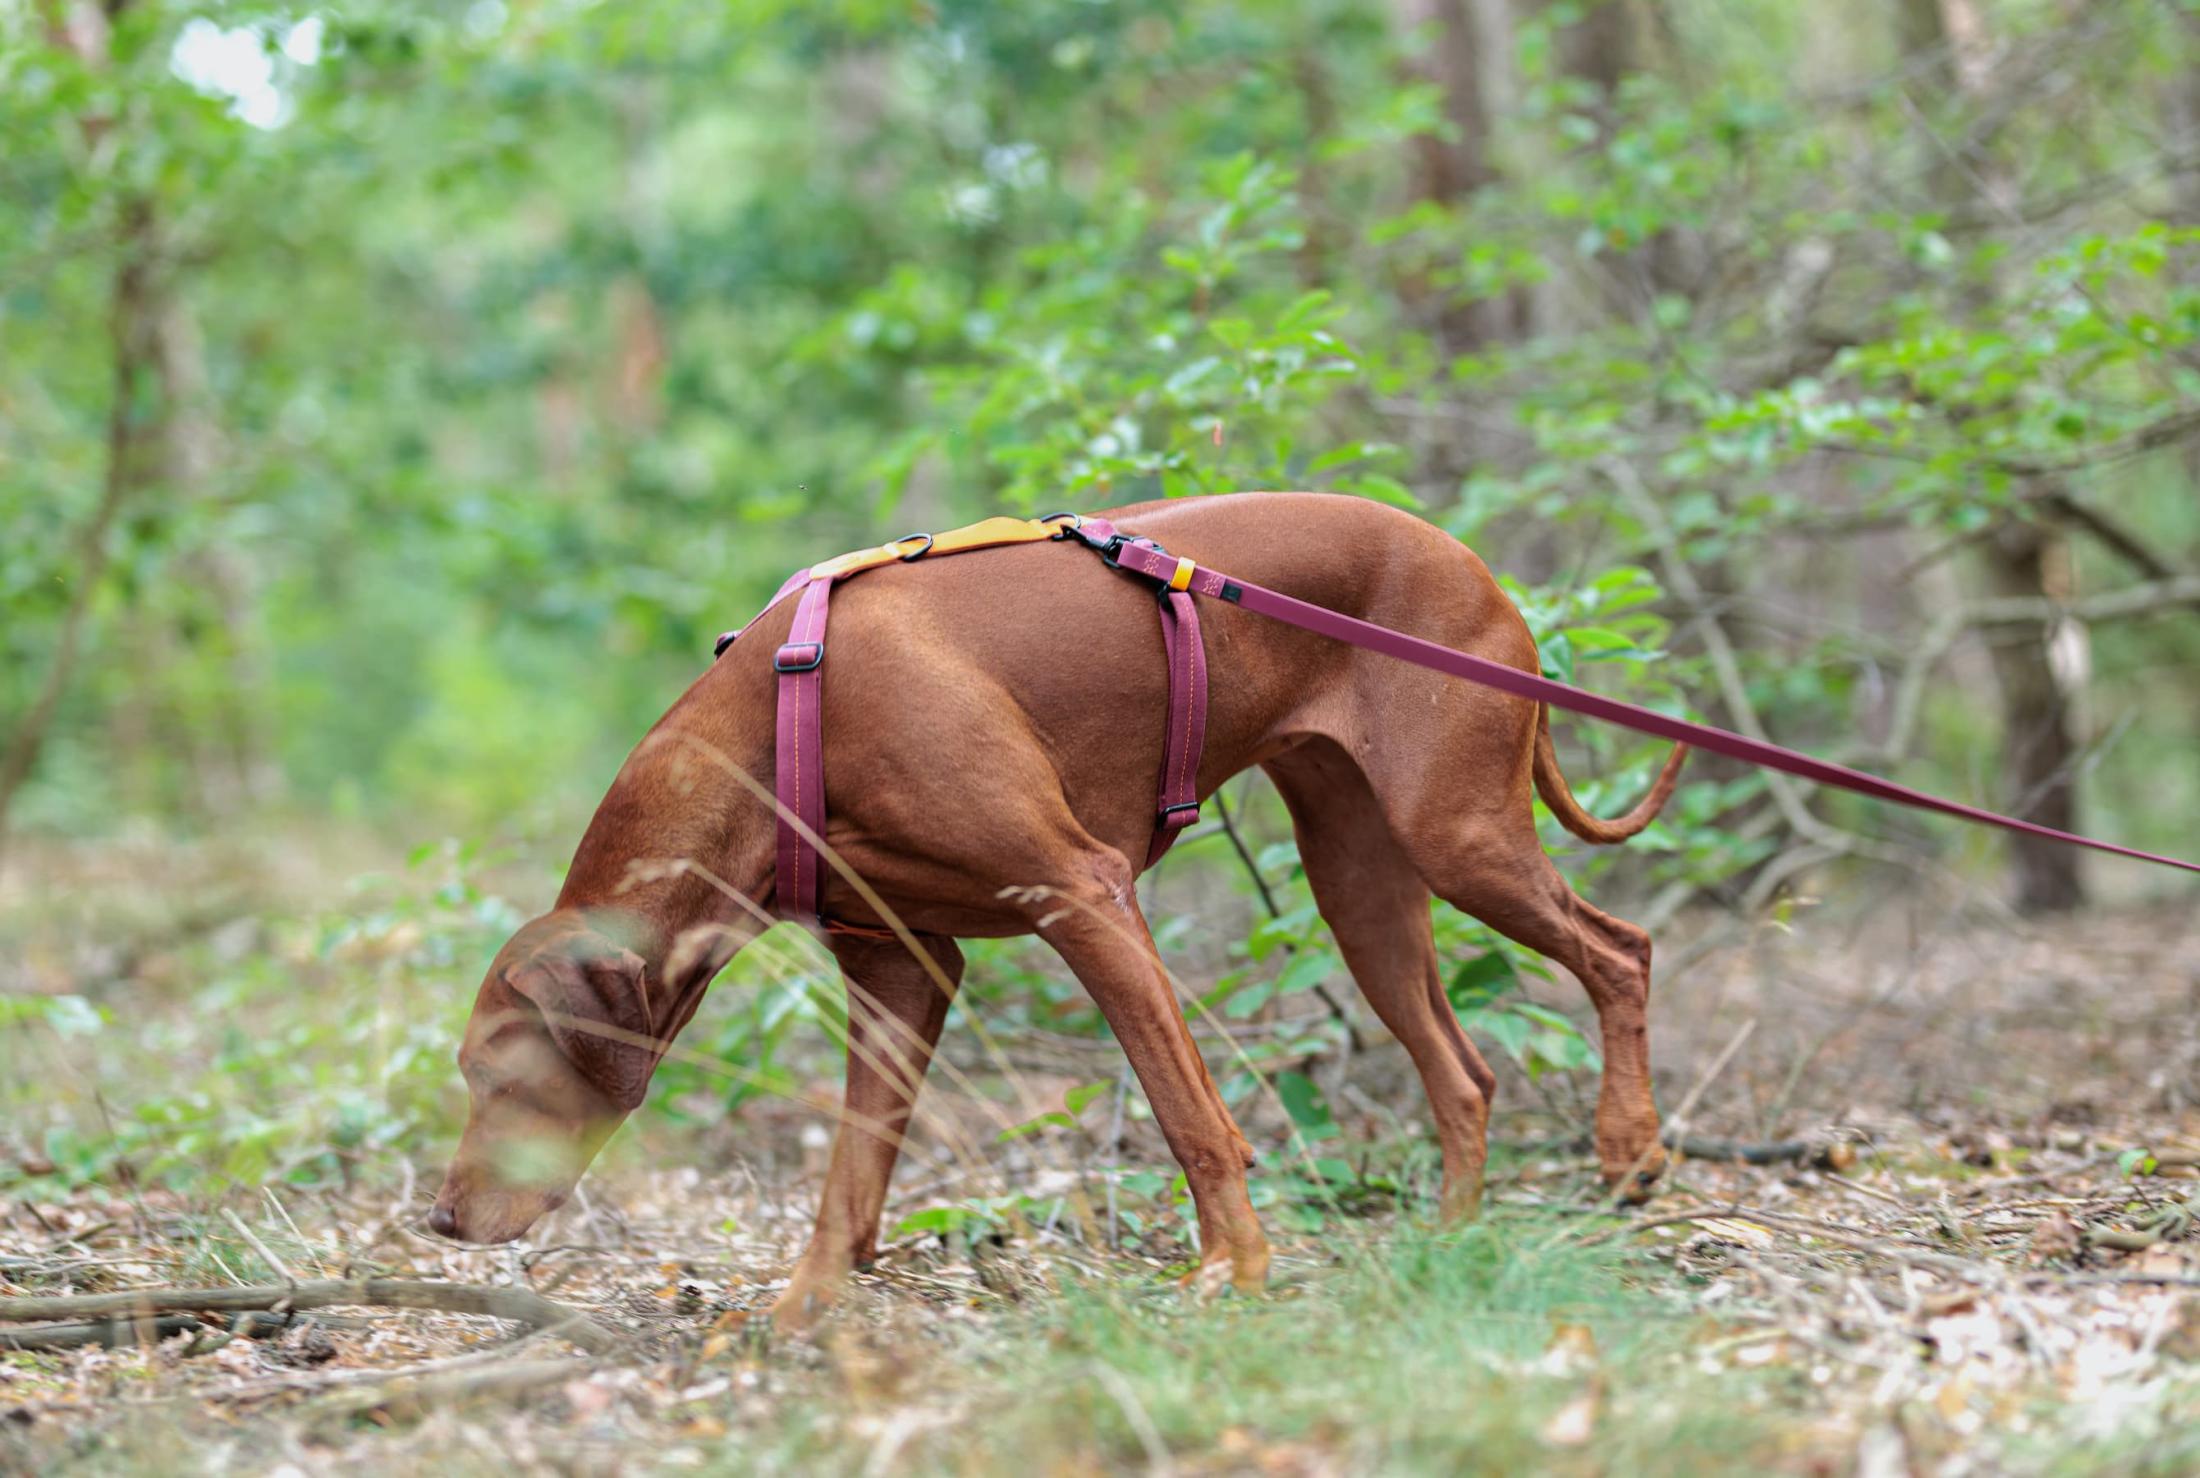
(443, 1220)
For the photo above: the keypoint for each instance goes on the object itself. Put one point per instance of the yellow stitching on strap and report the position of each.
(1182, 579)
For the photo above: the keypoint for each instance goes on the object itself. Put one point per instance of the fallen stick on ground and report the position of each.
(1817, 1154)
(2172, 1220)
(517, 1304)
(130, 1329)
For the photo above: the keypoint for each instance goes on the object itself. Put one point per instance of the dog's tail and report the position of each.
(1550, 783)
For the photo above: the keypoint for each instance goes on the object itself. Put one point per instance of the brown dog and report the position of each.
(993, 730)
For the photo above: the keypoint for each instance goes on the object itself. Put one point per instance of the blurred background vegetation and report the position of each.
(396, 398)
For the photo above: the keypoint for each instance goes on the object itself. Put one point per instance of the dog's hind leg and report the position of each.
(1497, 871)
(1100, 934)
(1377, 906)
(896, 1007)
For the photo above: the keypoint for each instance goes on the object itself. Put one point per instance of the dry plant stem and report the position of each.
(274, 1263)
(517, 1304)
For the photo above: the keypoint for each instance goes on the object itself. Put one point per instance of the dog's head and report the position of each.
(558, 1052)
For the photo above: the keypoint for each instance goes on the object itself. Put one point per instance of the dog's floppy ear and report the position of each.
(592, 997)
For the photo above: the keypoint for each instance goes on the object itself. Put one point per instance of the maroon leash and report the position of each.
(1146, 558)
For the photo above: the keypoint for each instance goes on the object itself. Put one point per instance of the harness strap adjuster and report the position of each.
(798, 656)
(1184, 813)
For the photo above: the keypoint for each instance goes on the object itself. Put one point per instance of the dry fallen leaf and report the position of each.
(1573, 1348)
(1954, 1396)
(1738, 1233)
(2054, 1236)
(1574, 1423)
(2159, 1261)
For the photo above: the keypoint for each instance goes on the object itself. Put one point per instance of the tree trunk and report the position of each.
(1468, 41)
(133, 328)
(2039, 750)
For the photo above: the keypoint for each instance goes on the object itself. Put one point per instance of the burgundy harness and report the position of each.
(800, 746)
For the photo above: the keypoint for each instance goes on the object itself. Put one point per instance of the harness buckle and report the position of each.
(1188, 811)
(1111, 552)
(798, 656)
(917, 553)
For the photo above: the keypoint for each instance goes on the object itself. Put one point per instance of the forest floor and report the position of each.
(1998, 1270)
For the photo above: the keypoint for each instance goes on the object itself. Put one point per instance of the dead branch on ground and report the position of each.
(146, 1304)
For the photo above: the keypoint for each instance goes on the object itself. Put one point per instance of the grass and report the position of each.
(1496, 1348)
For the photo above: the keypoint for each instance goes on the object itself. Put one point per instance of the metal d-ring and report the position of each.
(1076, 522)
(917, 553)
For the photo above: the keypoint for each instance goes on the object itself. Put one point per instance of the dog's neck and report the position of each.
(679, 856)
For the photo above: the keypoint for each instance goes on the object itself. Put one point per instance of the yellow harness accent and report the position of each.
(1182, 579)
(980, 535)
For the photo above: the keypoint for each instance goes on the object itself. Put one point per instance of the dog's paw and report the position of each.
(1637, 1180)
(806, 1301)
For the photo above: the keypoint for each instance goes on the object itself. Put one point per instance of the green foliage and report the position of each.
(297, 1063)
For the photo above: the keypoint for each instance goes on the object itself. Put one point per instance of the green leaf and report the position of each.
(1076, 1098)
(1303, 1101)
(1050, 1120)
(1480, 981)
(1308, 968)
(1558, 657)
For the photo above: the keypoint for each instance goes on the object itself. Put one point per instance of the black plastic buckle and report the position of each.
(725, 640)
(1170, 813)
(798, 656)
(1111, 553)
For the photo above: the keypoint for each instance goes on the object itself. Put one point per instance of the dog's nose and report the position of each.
(443, 1220)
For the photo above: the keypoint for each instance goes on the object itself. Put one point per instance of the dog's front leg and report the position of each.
(1104, 939)
(896, 1007)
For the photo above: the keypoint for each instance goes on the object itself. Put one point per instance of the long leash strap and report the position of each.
(1145, 558)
